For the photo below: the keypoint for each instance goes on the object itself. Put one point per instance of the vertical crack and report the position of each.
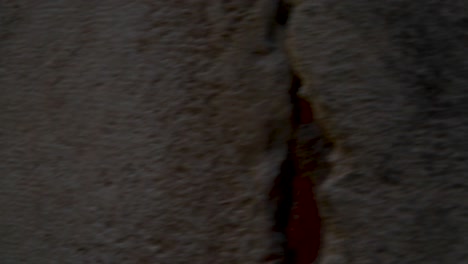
(282, 12)
(296, 83)
(306, 149)
(296, 213)
(282, 197)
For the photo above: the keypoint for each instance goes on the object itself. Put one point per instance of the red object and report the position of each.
(303, 231)
(306, 115)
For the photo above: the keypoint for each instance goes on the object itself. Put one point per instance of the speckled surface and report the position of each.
(152, 131)
(139, 131)
(388, 84)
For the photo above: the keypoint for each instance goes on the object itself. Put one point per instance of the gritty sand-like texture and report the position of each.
(153, 131)
(389, 86)
(139, 131)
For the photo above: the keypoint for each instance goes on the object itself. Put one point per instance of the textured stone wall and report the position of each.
(139, 131)
(156, 131)
(389, 86)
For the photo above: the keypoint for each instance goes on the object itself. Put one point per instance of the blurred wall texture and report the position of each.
(154, 131)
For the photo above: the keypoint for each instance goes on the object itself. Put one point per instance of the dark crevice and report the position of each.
(288, 171)
(282, 12)
(282, 193)
(292, 192)
(278, 22)
(295, 101)
(282, 197)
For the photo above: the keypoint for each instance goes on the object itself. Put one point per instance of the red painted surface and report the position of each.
(306, 115)
(303, 230)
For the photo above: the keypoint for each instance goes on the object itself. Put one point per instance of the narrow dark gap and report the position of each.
(296, 213)
(282, 196)
(295, 101)
(278, 21)
(283, 191)
(282, 12)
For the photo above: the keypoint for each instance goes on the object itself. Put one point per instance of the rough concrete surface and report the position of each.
(152, 131)
(389, 86)
(139, 131)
